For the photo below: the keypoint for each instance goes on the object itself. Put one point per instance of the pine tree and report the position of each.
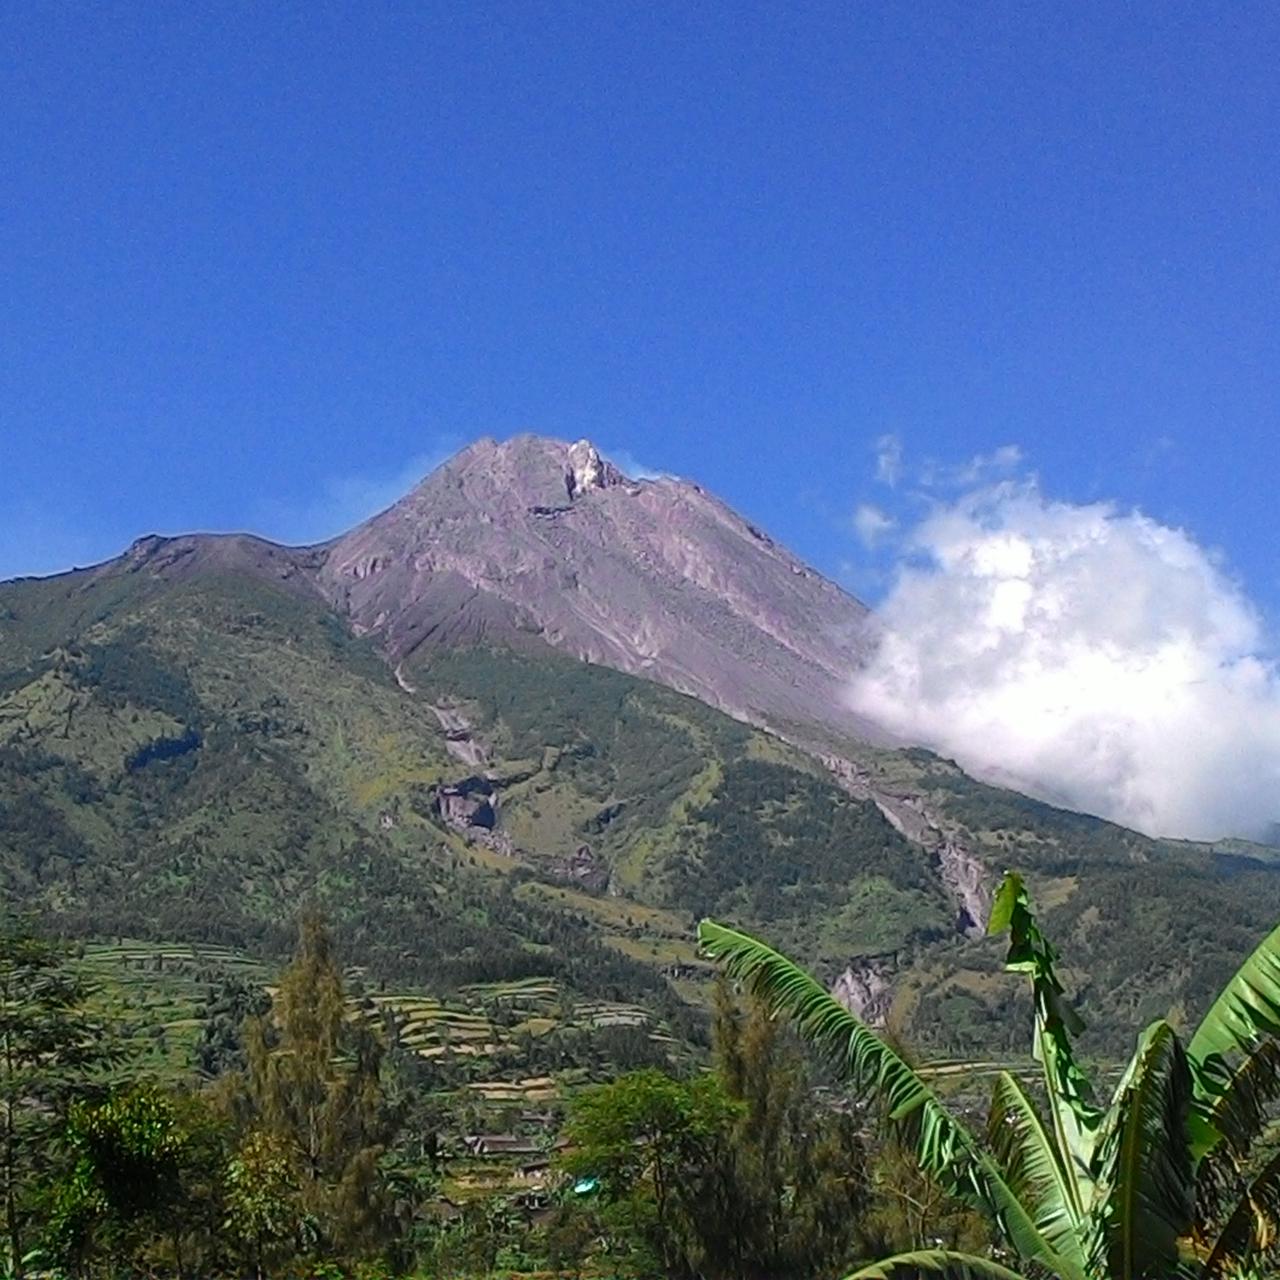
(50, 1049)
(314, 1085)
(791, 1191)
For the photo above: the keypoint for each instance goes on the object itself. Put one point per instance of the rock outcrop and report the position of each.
(587, 470)
(866, 990)
(468, 805)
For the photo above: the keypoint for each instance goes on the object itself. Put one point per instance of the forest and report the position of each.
(306, 1137)
(303, 1138)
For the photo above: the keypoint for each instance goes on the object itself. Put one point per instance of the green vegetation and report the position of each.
(315, 1131)
(52, 1051)
(693, 812)
(1177, 1174)
(183, 761)
(317, 1146)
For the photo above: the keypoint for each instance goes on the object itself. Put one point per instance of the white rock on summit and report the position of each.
(588, 470)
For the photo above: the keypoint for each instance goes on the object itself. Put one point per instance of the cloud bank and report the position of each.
(1102, 659)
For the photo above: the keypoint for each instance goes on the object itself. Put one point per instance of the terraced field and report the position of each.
(161, 992)
(481, 1020)
(158, 992)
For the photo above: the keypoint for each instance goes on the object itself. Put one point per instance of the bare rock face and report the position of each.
(969, 883)
(582, 868)
(588, 470)
(866, 990)
(470, 807)
(533, 540)
(467, 804)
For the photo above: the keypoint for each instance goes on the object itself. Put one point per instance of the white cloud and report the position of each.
(980, 469)
(1105, 659)
(871, 524)
(888, 460)
(631, 466)
(343, 501)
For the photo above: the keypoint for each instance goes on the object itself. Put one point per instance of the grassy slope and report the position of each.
(694, 813)
(193, 760)
(189, 761)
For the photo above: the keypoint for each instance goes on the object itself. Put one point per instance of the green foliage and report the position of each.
(263, 1209)
(646, 1137)
(221, 1044)
(1114, 1193)
(692, 810)
(314, 1086)
(735, 1173)
(52, 1054)
(909, 1211)
(792, 1194)
(141, 1164)
(126, 671)
(775, 838)
(943, 1263)
(129, 1149)
(947, 1151)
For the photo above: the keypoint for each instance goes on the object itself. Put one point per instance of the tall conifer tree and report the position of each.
(50, 1048)
(314, 1083)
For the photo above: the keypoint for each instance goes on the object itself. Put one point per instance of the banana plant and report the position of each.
(1175, 1174)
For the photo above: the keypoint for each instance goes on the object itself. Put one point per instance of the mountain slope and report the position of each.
(202, 733)
(198, 756)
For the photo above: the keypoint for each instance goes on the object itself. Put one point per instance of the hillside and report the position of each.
(192, 759)
(202, 734)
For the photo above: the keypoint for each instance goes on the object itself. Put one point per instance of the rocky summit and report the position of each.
(533, 539)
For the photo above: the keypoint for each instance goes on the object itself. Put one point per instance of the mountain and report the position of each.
(653, 577)
(533, 540)
(531, 721)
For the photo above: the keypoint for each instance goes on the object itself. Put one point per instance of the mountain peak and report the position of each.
(538, 540)
(539, 470)
(533, 542)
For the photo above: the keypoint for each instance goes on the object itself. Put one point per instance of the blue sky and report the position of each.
(260, 264)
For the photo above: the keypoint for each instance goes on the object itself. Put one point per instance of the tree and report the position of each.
(51, 1050)
(737, 1173)
(263, 1211)
(314, 1087)
(646, 1140)
(792, 1188)
(143, 1175)
(221, 1044)
(1176, 1175)
(910, 1211)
